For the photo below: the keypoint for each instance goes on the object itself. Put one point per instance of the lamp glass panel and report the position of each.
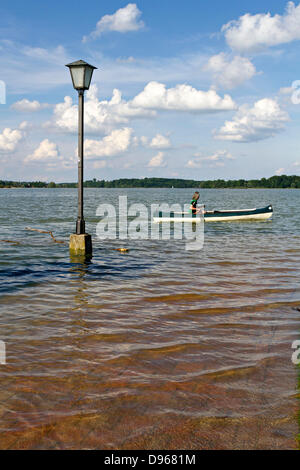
(88, 77)
(78, 77)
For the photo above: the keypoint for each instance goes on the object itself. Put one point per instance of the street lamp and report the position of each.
(81, 74)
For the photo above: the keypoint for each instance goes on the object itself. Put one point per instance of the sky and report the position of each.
(196, 89)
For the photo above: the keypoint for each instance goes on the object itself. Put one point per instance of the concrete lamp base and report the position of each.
(81, 244)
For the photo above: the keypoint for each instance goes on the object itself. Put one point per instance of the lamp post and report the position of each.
(81, 74)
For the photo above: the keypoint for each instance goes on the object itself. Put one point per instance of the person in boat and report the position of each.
(194, 202)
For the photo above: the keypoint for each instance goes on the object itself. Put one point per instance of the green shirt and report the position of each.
(194, 204)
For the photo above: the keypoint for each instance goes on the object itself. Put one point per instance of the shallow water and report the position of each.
(157, 348)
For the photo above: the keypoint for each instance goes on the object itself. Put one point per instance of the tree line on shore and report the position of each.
(282, 181)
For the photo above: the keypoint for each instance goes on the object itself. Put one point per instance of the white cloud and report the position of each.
(251, 33)
(288, 90)
(100, 164)
(126, 60)
(46, 152)
(29, 69)
(50, 71)
(194, 163)
(279, 171)
(265, 119)
(56, 55)
(9, 139)
(144, 140)
(160, 142)
(99, 115)
(218, 158)
(230, 73)
(28, 106)
(123, 20)
(181, 98)
(25, 125)
(113, 144)
(176, 69)
(157, 161)
(104, 115)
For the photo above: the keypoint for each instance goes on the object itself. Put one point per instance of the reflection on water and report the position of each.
(155, 348)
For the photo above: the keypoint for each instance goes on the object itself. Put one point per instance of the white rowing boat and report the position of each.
(215, 216)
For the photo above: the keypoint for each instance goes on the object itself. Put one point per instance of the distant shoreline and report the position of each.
(274, 182)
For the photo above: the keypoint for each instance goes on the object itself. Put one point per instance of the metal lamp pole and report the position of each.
(80, 224)
(81, 74)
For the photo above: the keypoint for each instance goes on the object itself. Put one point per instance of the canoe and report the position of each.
(215, 216)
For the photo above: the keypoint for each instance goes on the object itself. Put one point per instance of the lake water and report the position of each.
(157, 348)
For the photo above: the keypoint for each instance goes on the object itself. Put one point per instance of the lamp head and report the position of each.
(81, 74)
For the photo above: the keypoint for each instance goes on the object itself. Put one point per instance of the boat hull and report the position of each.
(216, 216)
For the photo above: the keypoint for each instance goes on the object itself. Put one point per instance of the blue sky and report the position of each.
(191, 89)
